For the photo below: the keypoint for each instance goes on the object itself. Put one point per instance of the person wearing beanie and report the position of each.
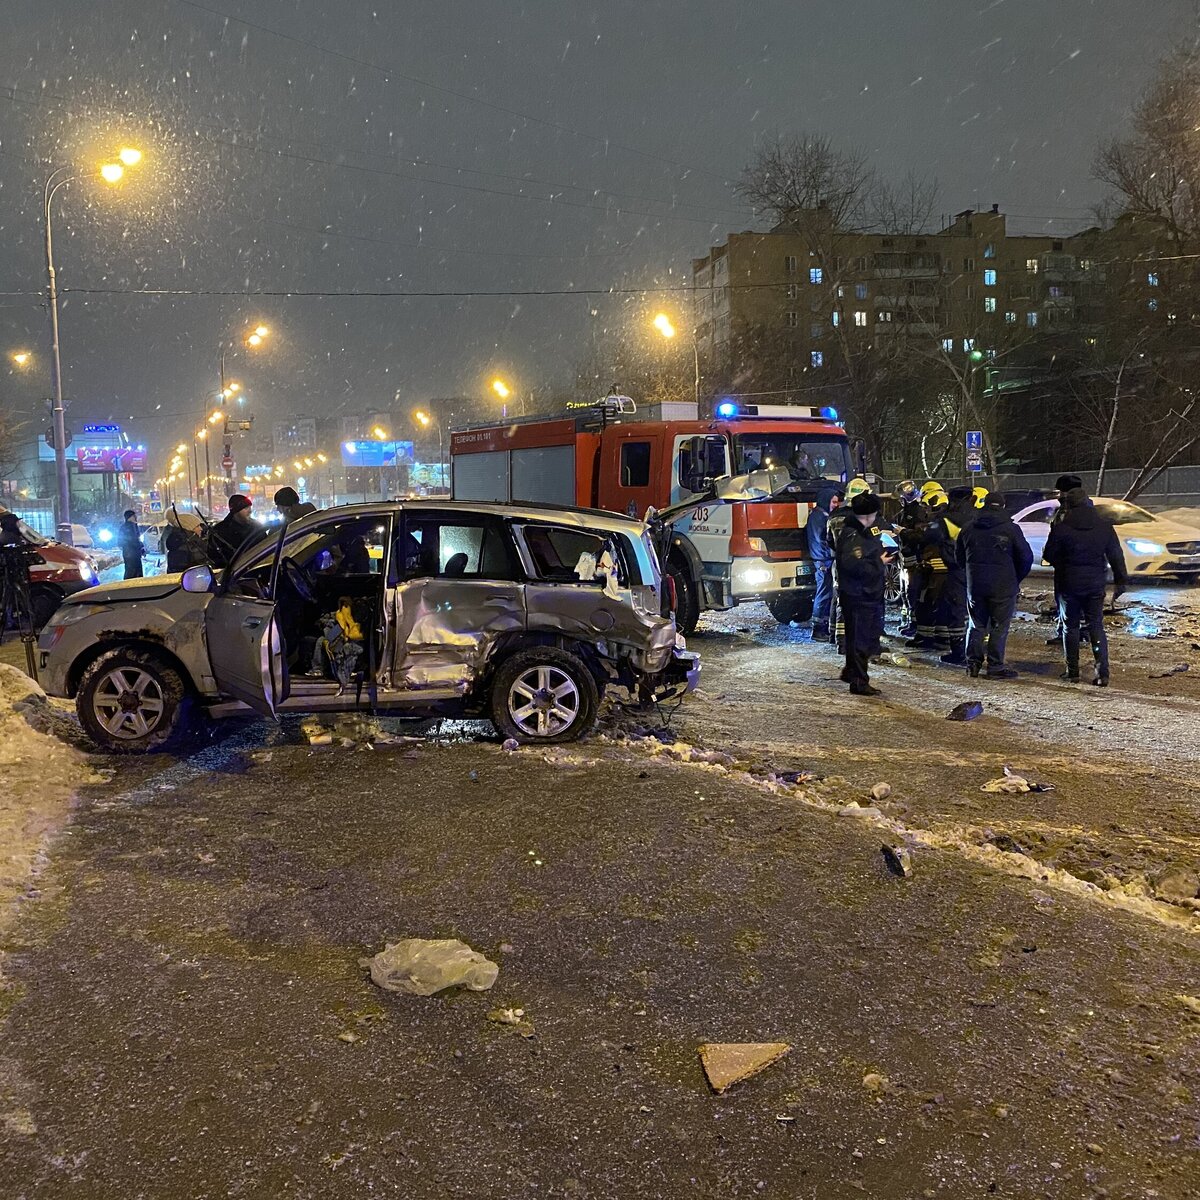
(228, 534)
(861, 575)
(996, 558)
(1065, 485)
(129, 538)
(290, 506)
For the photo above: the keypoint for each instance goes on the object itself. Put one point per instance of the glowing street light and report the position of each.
(379, 433)
(112, 172)
(129, 156)
(500, 388)
(22, 358)
(421, 418)
(663, 324)
(181, 448)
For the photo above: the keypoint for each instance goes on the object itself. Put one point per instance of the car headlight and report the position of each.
(69, 614)
(1141, 546)
(755, 575)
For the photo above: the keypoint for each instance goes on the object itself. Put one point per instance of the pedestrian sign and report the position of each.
(974, 439)
(155, 504)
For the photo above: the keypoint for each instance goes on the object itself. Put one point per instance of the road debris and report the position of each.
(510, 745)
(873, 1081)
(727, 1063)
(514, 1018)
(864, 812)
(898, 860)
(1191, 1003)
(1177, 669)
(422, 966)
(1013, 784)
(881, 791)
(968, 710)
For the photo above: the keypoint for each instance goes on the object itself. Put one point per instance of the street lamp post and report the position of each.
(665, 326)
(111, 173)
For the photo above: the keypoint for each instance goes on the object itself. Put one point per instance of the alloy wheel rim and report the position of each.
(543, 701)
(128, 703)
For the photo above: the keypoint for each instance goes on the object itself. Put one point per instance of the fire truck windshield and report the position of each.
(806, 455)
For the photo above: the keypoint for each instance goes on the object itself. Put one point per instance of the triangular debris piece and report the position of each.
(727, 1063)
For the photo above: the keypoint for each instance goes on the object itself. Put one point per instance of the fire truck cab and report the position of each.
(722, 554)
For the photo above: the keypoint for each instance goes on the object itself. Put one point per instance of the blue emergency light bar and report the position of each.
(726, 410)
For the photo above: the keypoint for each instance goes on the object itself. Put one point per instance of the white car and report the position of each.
(1153, 545)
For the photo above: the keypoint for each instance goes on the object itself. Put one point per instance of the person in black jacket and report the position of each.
(1082, 546)
(829, 496)
(129, 538)
(228, 534)
(911, 520)
(996, 558)
(951, 617)
(861, 574)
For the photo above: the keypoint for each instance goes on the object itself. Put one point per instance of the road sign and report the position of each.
(156, 506)
(49, 435)
(227, 462)
(974, 439)
(974, 460)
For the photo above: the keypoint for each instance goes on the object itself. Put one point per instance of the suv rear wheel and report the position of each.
(544, 695)
(130, 701)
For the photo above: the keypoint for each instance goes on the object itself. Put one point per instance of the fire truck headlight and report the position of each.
(755, 576)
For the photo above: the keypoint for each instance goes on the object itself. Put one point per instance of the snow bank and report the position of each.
(38, 773)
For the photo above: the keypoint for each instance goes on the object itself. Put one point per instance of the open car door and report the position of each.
(245, 646)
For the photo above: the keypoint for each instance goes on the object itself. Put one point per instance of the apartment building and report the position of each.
(779, 297)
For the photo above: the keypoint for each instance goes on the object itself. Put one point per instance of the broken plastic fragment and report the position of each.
(898, 860)
(968, 710)
(422, 966)
(727, 1063)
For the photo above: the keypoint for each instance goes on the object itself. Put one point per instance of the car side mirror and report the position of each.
(197, 579)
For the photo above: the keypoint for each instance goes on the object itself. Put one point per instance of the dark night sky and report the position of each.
(278, 165)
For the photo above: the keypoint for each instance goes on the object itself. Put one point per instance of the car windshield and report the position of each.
(31, 535)
(1121, 512)
(805, 455)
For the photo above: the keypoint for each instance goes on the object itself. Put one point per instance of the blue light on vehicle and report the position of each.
(1141, 546)
(829, 413)
(727, 409)
(104, 535)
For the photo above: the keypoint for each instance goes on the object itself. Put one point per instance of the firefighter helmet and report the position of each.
(907, 490)
(980, 494)
(929, 488)
(856, 487)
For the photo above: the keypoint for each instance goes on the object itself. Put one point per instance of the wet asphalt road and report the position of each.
(186, 985)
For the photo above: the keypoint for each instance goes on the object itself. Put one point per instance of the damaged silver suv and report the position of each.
(523, 615)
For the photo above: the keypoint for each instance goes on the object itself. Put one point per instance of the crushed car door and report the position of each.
(240, 625)
(458, 590)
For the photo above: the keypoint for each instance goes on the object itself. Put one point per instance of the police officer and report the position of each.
(1081, 547)
(837, 522)
(829, 497)
(996, 557)
(861, 576)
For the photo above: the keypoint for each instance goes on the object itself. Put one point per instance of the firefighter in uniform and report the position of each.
(931, 565)
(914, 514)
(951, 622)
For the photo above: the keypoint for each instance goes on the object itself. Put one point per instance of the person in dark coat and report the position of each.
(1063, 484)
(129, 538)
(182, 547)
(231, 531)
(996, 558)
(829, 497)
(861, 575)
(1081, 548)
(290, 506)
(910, 521)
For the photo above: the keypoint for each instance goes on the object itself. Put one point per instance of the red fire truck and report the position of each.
(722, 554)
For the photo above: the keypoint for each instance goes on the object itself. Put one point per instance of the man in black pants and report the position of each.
(861, 574)
(997, 558)
(1081, 547)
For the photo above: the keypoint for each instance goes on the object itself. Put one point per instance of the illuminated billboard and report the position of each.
(116, 460)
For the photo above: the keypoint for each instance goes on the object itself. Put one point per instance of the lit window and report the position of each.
(1031, 320)
(1172, 318)
(1031, 265)
(989, 354)
(989, 278)
(818, 358)
(1152, 279)
(860, 318)
(860, 291)
(885, 315)
(789, 264)
(968, 345)
(989, 304)
(1085, 264)
(792, 318)
(836, 317)
(1152, 305)
(815, 275)
(989, 251)
(1010, 318)
(948, 345)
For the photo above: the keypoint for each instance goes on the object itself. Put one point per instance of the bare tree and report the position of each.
(904, 207)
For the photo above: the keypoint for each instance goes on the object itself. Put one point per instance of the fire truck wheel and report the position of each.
(687, 598)
(790, 608)
(544, 695)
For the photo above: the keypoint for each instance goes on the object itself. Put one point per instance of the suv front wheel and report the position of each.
(544, 695)
(130, 701)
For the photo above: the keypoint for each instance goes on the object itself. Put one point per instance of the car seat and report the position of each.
(456, 565)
